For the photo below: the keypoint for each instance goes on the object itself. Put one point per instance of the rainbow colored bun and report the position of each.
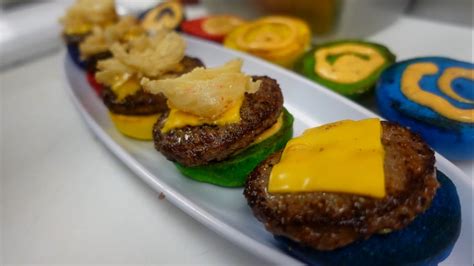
(428, 240)
(73, 51)
(135, 126)
(434, 97)
(348, 67)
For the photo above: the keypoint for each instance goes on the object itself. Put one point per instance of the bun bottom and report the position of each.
(137, 127)
(428, 240)
(454, 139)
(455, 144)
(94, 84)
(234, 171)
(73, 51)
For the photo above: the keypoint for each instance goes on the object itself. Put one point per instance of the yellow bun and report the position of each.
(279, 39)
(137, 127)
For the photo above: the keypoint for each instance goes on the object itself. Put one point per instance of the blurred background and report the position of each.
(30, 28)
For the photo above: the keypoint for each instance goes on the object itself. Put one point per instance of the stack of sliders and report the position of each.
(357, 193)
(117, 53)
(133, 110)
(216, 124)
(221, 123)
(346, 193)
(96, 46)
(90, 27)
(81, 19)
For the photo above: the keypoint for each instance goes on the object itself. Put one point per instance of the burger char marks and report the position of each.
(200, 145)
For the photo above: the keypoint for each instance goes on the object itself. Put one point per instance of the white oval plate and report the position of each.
(225, 210)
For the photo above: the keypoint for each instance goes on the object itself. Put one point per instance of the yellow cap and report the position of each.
(134, 126)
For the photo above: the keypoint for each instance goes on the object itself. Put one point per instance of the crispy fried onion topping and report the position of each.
(87, 13)
(101, 39)
(204, 92)
(144, 57)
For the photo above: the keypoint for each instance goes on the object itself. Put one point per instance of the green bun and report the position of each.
(233, 172)
(305, 66)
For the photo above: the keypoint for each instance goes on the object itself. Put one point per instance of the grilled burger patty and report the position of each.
(145, 103)
(91, 61)
(139, 103)
(199, 145)
(326, 221)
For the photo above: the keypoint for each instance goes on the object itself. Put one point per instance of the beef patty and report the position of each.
(326, 221)
(91, 61)
(145, 103)
(200, 145)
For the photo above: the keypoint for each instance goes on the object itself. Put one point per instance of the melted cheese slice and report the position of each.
(129, 87)
(179, 119)
(270, 131)
(342, 157)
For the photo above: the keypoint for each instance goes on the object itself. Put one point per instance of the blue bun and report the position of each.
(73, 50)
(451, 138)
(428, 240)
